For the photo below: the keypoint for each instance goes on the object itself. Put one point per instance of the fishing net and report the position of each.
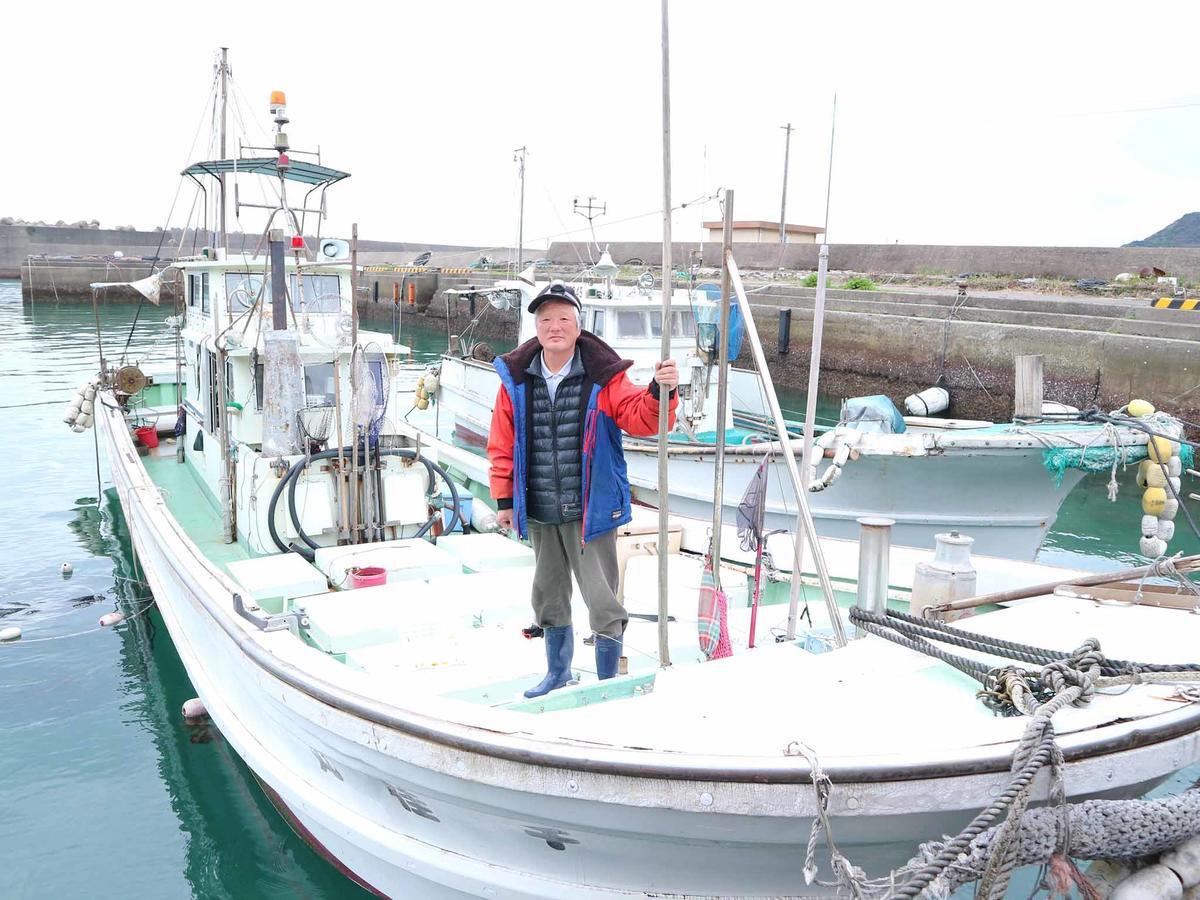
(372, 388)
(1099, 459)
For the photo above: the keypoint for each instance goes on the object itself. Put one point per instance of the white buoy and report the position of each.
(11, 633)
(112, 618)
(194, 708)
(67, 570)
(927, 402)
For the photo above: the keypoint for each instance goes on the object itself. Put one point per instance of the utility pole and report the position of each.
(787, 145)
(519, 156)
(224, 72)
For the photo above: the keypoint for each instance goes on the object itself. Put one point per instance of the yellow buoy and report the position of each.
(1150, 475)
(1153, 501)
(1139, 408)
(1159, 449)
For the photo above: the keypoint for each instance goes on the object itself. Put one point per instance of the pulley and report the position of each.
(129, 380)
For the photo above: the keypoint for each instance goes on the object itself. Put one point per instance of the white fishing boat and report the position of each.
(1004, 483)
(366, 659)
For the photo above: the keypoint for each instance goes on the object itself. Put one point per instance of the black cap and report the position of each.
(558, 292)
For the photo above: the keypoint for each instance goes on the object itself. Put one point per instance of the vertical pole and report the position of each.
(223, 243)
(1027, 393)
(355, 532)
(723, 363)
(785, 445)
(664, 653)
(278, 284)
(353, 285)
(814, 374)
(787, 146)
(521, 211)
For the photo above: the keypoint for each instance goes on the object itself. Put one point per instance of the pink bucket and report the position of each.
(368, 576)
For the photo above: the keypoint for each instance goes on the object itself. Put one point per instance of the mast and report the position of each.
(814, 372)
(224, 72)
(664, 653)
(787, 146)
(723, 363)
(519, 156)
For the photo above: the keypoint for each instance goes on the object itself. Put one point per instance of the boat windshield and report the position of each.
(683, 324)
(321, 293)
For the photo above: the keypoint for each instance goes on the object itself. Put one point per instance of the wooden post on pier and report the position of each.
(1027, 391)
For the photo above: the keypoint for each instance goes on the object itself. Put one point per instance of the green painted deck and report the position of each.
(193, 505)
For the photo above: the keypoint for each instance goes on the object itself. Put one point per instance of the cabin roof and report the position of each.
(297, 170)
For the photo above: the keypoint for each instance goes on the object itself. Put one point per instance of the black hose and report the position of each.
(292, 478)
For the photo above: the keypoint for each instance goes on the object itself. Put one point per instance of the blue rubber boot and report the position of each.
(608, 656)
(560, 649)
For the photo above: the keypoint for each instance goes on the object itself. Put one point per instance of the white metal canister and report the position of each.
(948, 576)
(927, 402)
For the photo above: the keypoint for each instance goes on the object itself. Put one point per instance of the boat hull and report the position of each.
(1002, 497)
(414, 803)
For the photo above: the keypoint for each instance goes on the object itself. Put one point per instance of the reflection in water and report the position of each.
(237, 844)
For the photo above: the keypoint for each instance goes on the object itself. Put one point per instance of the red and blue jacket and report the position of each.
(614, 404)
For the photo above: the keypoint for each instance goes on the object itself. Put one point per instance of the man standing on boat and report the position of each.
(558, 471)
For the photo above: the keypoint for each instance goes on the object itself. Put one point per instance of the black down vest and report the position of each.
(555, 492)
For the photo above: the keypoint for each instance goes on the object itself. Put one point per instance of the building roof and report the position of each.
(760, 223)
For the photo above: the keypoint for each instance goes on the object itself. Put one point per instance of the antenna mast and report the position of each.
(519, 156)
(787, 146)
(224, 73)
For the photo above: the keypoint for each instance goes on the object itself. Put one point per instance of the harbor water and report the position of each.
(106, 790)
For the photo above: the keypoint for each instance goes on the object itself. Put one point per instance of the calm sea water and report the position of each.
(105, 791)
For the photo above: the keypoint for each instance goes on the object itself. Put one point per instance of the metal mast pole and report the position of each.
(723, 363)
(787, 146)
(223, 242)
(519, 156)
(814, 370)
(664, 653)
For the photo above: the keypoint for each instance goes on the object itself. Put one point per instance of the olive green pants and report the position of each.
(558, 555)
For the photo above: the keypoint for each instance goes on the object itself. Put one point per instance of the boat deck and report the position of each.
(447, 627)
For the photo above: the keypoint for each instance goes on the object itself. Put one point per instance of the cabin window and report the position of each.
(319, 384)
(630, 324)
(322, 293)
(260, 375)
(193, 290)
(204, 300)
(243, 289)
(598, 323)
(682, 324)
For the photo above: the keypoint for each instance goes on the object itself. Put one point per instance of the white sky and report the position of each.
(955, 125)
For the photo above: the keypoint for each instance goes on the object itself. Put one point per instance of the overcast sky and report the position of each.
(1039, 123)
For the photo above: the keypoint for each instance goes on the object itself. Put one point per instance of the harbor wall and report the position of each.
(912, 259)
(1100, 353)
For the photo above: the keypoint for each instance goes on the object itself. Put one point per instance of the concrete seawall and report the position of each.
(1096, 351)
(915, 259)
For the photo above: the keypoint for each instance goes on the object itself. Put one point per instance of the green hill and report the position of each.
(1183, 232)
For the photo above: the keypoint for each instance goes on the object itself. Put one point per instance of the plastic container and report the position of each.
(368, 576)
(148, 435)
